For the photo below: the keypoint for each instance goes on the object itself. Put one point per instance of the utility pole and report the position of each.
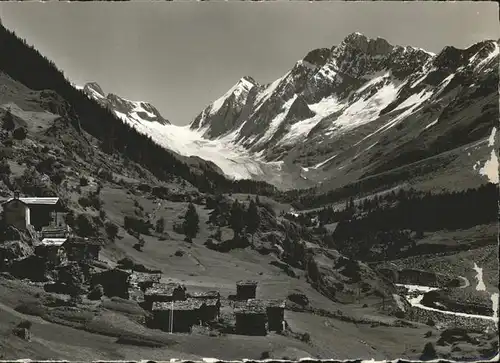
(171, 317)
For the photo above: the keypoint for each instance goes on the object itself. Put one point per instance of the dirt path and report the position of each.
(466, 282)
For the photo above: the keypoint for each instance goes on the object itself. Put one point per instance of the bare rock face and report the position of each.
(340, 278)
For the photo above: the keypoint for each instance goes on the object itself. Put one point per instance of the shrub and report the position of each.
(69, 218)
(305, 337)
(92, 200)
(85, 227)
(57, 177)
(4, 168)
(19, 133)
(84, 181)
(265, 355)
(111, 230)
(137, 225)
(25, 324)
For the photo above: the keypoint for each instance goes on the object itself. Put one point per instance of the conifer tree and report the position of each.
(237, 219)
(252, 219)
(191, 223)
(160, 225)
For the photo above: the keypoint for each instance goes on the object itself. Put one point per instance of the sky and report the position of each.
(181, 56)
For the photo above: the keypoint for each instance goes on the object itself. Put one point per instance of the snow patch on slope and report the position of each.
(323, 108)
(276, 122)
(479, 276)
(490, 168)
(365, 110)
(491, 139)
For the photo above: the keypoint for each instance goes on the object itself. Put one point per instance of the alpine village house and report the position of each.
(43, 218)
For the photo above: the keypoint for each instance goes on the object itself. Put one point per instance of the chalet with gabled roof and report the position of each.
(38, 212)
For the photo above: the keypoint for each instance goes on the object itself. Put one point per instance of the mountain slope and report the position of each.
(361, 109)
(114, 135)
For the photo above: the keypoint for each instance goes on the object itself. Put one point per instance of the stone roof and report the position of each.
(184, 305)
(275, 303)
(246, 283)
(252, 306)
(209, 302)
(138, 277)
(163, 289)
(205, 294)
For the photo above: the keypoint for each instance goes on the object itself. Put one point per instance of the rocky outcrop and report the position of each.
(408, 276)
(343, 279)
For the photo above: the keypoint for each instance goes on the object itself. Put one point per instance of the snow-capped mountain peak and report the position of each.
(134, 111)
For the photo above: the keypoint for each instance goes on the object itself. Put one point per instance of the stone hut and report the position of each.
(164, 293)
(22, 212)
(115, 282)
(80, 249)
(176, 316)
(275, 311)
(209, 310)
(246, 290)
(251, 318)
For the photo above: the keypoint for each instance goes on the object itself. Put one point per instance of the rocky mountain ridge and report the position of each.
(348, 112)
(135, 110)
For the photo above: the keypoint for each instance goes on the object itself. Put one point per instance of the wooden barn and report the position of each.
(251, 318)
(38, 212)
(176, 316)
(246, 290)
(115, 282)
(52, 250)
(209, 310)
(81, 249)
(164, 293)
(275, 311)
